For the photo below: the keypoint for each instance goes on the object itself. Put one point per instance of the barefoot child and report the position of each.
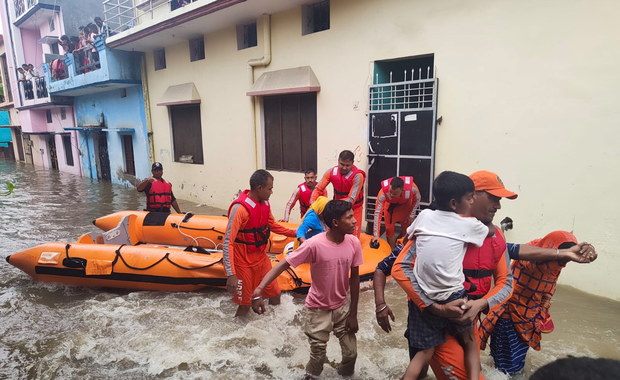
(441, 237)
(332, 255)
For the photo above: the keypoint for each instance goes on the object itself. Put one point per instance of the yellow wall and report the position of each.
(527, 89)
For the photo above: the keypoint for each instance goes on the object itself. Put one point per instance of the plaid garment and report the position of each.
(426, 330)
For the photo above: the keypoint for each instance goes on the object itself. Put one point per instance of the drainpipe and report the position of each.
(147, 108)
(264, 61)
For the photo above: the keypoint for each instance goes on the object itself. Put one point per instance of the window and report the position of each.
(246, 36)
(196, 49)
(159, 59)
(315, 17)
(48, 116)
(54, 48)
(123, 92)
(63, 113)
(186, 133)
(290, 131)
(66, 143)
(52, 26)
(130, 167)
(5, 78)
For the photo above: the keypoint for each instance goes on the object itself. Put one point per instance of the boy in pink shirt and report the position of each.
(331, 256)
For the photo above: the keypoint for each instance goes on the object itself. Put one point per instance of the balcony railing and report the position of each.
(92, 69)
(21, 6)
(86, 60)
(121, 15)
(33, 90)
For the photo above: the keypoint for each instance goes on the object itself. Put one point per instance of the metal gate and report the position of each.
(401, 132)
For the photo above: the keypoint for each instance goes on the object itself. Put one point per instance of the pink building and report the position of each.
(32, 31)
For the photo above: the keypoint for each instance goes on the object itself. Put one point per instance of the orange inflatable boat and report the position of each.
(181, 229)
(134, 254)
(131, 267)
(208, 231)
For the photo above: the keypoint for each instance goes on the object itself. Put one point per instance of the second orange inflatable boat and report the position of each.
(205, 231)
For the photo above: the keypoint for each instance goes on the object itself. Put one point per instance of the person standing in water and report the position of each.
(302, 193)
(159, 196)
(250, 223)
(331, 304)
(348, 182)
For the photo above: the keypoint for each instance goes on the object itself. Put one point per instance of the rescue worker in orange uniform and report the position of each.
(517, 325)
(302, 193)
(397, 201)
(348, 182)
(159, 196)
(250, 223)
(487, 273)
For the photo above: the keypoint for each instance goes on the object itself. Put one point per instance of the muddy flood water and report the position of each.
(54, 332)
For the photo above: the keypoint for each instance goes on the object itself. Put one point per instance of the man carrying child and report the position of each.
(488, 270)
(441, 238)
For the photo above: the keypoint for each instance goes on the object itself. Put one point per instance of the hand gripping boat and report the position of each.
(123, 257)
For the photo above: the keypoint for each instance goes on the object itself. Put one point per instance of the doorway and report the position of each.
(401, 126)
(103, 159)
(51, 147)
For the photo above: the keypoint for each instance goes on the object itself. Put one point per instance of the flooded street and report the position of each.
(56, 332)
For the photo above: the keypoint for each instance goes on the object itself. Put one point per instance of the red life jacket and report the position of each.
(159, 196)
(304, 197)
(479, 263)
(405, 195)
(343, 184)
(255, 233)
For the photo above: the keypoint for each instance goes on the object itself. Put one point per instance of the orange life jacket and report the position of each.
(405, 196)
(255, 233)
(534, 285)
(343, 184)
(304, 197)
(479, 263)
(159, 196)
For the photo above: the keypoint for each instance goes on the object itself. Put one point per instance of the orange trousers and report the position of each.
(400, 214)
(448, 362)
(359, 217)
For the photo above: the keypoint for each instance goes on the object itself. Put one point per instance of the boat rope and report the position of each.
(298, 281)
(195, 239)
(73, 262)
(165, 257)
(198, 229)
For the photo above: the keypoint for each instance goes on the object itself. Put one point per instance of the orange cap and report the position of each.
(491, 183)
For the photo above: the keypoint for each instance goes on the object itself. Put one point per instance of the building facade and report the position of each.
(83, 111)
(32, 29)
(109, 109)
(411, 87)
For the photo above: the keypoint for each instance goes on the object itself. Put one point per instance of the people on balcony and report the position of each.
(39, 81)
(93, 54)
(176, 4)
(102, 27)
(25, 78)
(67, 45)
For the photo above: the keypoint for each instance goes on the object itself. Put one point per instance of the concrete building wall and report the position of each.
(120, 114)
